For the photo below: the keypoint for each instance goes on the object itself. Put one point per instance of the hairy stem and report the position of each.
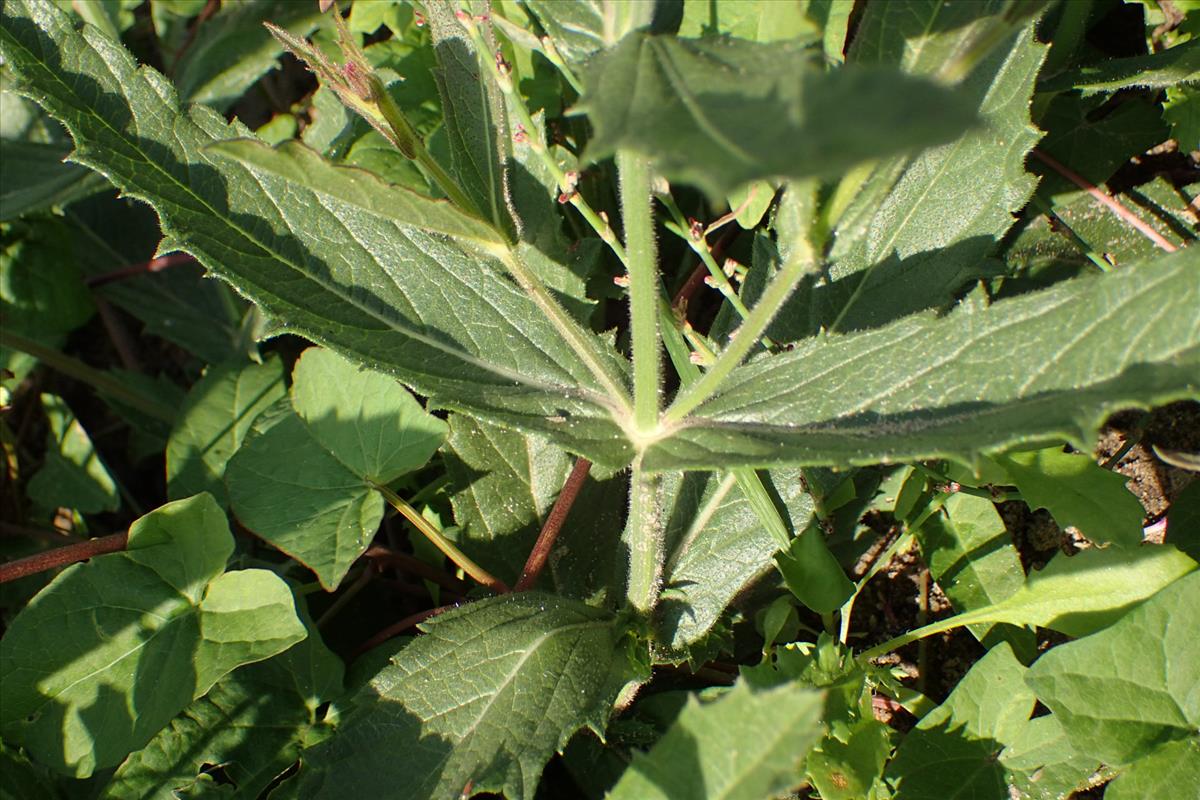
(645, 540)
(638, 219)
(746, 337)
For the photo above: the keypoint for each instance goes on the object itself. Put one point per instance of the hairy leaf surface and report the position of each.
(446, 320)
(713, 111)
(484, 698)
(1036, 368)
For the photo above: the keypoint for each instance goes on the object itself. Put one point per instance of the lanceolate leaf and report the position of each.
(482, 700)
(1162, 70)
(375, 286)
(713, 112)
(1036, 368)
(717, 548)
(745, 745)
(919, 230)
(112, 649)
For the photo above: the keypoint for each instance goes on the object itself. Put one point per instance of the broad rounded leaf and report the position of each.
(103, 657)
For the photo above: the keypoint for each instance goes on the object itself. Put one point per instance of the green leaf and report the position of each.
(103, 657)
(1041, 762)
(688, 105)
(718, 547)
(303, 166)
(503, 485)
(1182, 112)
(1128, 689)
(920, 229)
(232, 49)
(969, 552)
(952, 753)
(72, 475)
(745, 745)
(813, 574)
(214, 420)
(755, 20)
(1077, 491)
(483, 699)
(1164, 772)
(253, 723)
(583, 28)
(394, 297)
(1040, 367)
(35, 178)
(1183, 521)
(303, 479)
(1162, 70)
(21, 780)
(1087, 591)
(41, 290)
(474, 116)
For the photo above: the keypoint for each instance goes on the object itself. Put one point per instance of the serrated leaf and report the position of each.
(687, 104)
(303, 479)
(253, 723)
(1167, 68)
(1124, 691)
(396, 298)
(483, 700)
(952, 753)
(473, 109)
(745, 745)
(112, 649)
(232, 49)
(214, 420)
(302, 166)
(1043, 366)
(1077, 491)
(504, 483)
(718, 547)
(72, 474)
(918, 230)
(35, 178)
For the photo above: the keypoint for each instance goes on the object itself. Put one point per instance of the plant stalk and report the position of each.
(63, 556)
(638, 219)
(747, 336)
(478, 573)
(102, 381)
(645, 540)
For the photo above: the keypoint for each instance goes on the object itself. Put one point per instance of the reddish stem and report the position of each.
(553, 525)
(385, 557)
(62, 556)
(1109, 202)
(398, 628)
(153, 265)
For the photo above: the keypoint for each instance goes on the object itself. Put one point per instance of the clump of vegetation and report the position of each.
(665, 399)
